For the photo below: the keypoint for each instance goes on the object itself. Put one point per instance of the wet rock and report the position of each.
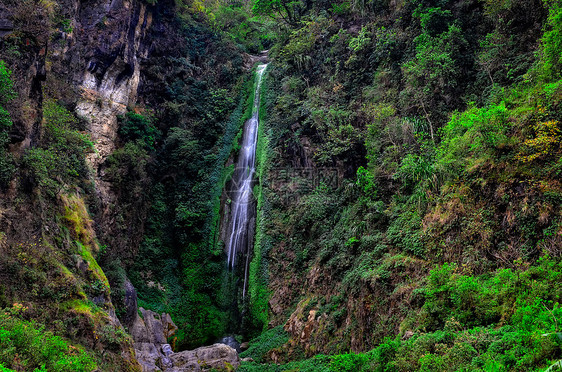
(231, 341)
(251, 60)
(130, 303)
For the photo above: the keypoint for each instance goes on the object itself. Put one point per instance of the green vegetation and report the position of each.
(261, 345)
(7, 93)
(438, 119)
(258, 292)
(136, 127)
(60, 160)
(408, 194)
(28, 346)
(516, 312)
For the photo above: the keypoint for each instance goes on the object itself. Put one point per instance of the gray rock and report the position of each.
(130, 303)
(153, 326)
(167, 350)
(219, 356)
(138, 331)
(154, 354)
(166, 363)
(148, 356)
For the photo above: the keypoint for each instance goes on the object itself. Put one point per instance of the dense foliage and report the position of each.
(7, 93)
(434, 244)
(27, 346)
(437, 115)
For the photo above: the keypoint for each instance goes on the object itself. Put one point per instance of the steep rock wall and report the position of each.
(86, 55)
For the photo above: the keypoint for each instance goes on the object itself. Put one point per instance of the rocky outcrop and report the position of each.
(251, 60)
(150, 334)
(112, 71)
(217, 356)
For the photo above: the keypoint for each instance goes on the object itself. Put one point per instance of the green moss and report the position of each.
(80, 306)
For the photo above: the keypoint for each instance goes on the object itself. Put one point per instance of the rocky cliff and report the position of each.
(78, 68)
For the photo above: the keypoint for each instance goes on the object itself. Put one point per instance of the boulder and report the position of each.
(218, 356)
(147, 356)
(155, 354)
(167, 350)
(138, 331)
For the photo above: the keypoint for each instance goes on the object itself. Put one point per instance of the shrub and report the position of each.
(268, 340)
(135, 127)
(27, 346)
(552, 40)
(348, 362)
(61, 157)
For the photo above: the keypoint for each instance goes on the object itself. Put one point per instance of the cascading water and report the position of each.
(242, 207)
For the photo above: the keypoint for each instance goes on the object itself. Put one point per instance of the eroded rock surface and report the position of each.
(150, 334)
(218, 356)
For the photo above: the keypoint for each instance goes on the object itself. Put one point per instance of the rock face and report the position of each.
(112, 74)
(150, 334)
(251, 60)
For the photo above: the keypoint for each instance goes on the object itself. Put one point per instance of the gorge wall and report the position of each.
(406, 183)
(113, 100)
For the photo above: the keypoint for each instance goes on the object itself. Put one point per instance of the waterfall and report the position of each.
(240, 225)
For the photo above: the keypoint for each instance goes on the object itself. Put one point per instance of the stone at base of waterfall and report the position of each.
(156, 358)
(217, 356)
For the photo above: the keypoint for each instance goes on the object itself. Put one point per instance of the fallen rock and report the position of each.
(167, 350)
(154, 353)
(148, 356)
(218, 356)
(138, 331)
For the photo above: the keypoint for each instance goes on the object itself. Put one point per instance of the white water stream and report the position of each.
(241, 190)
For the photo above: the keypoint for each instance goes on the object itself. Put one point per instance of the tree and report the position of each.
(289, 10)
(433, 75)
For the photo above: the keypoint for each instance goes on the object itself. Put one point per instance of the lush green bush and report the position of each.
(270, 339)
(136, 127)
(60, 160)
(552, 39)
(28, 346)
